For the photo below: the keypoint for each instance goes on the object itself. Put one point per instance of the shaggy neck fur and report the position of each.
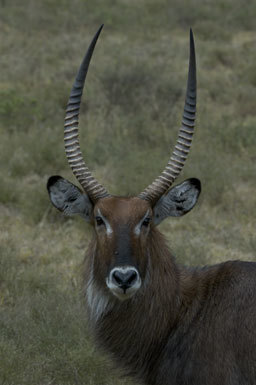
(135, 330)
(187, 326)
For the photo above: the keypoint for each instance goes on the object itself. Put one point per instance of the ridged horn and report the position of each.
(163, 182)
(71, 139)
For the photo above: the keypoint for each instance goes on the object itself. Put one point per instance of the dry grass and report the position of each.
(134, 102)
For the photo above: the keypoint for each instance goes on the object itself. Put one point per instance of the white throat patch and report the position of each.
(98, 302)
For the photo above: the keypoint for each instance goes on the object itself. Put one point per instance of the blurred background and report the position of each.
(130, 115)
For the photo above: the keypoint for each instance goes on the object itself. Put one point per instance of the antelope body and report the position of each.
(162, 323)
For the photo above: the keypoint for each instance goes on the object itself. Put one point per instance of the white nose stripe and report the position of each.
(124, 269)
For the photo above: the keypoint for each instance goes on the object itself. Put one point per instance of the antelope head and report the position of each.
(124, 226)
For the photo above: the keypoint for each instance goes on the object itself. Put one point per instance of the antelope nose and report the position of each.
(125, 279)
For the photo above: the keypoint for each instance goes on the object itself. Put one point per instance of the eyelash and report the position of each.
(146, 222)
(99, 221)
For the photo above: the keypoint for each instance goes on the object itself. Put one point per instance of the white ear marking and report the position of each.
(67, 198)
(178, 201)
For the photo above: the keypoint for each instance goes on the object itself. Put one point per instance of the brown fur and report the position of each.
(182, 326)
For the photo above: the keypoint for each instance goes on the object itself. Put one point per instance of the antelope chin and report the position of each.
(121, 295)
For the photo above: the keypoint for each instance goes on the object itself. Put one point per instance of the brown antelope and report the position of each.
(162, 323)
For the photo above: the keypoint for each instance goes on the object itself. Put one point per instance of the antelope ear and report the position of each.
(178, 201)
(68, 198)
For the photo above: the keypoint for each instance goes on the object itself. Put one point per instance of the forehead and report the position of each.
(122, 209)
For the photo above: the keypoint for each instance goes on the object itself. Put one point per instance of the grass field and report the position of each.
(135, 95)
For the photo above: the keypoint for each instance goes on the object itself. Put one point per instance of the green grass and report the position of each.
(134, 100)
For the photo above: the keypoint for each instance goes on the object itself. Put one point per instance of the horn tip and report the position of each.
(100, 29)
(98, 32)
(192, 50)
(191, 36)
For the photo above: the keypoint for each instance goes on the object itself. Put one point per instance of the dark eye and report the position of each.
(146, 222)
(99, 221)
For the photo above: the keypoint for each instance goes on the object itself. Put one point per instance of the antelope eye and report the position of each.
(99, 221)
(146, 222)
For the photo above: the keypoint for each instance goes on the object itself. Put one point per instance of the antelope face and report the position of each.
(123, 226)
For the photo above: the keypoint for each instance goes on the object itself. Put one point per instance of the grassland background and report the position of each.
(135, 95)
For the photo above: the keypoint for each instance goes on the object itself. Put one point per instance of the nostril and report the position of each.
(118, 276)
(132, 277)
(125, 279)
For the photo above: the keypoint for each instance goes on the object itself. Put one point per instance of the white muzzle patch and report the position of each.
(123, 282)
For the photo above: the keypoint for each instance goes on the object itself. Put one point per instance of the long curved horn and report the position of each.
(72, 147)
(162, 183)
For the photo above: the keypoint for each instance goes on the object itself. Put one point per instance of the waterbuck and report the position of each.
(162, 323)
